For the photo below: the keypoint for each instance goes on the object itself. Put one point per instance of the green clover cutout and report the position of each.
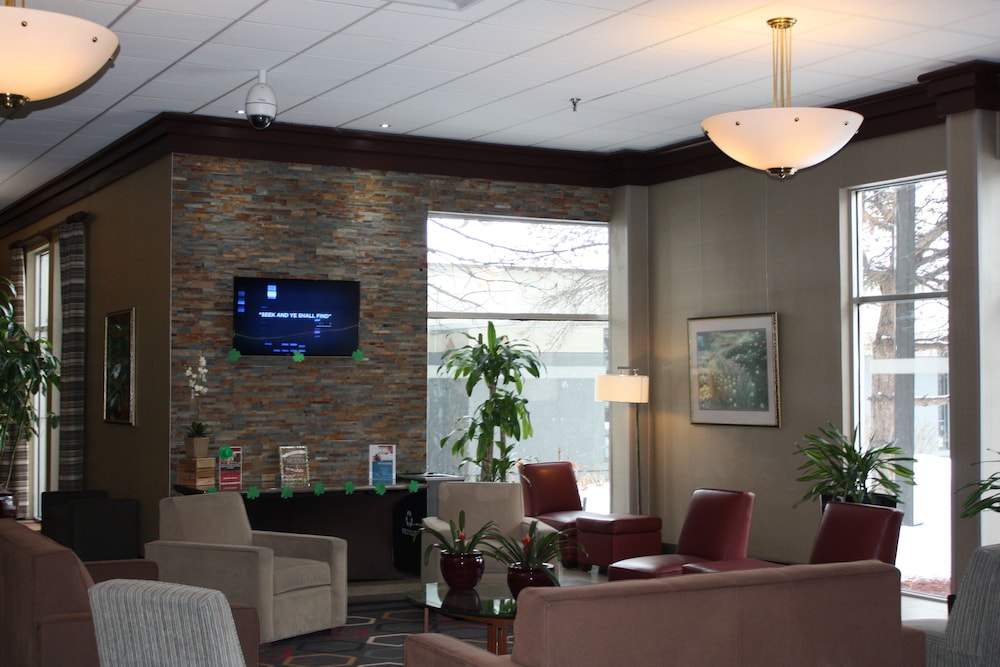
(253, 493)
(234, 355)
(380, 489)
(358, 355)
(319, 489)
(414, 487)
(286, 491)
(225, 453)
(349, 488)
(211, 489)
(298, 357)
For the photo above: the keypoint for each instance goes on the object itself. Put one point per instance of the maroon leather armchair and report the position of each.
(551, 495)
(847, 532)
(716, 527)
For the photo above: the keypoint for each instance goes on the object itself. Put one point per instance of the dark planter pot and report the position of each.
(462, 571)
(8, 504)
(880, 499)
(520, 577)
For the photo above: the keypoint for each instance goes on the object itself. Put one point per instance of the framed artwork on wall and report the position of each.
(119, 367)
(734, 370)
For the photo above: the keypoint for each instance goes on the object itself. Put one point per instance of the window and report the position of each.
(36, 310)
(900, 319)
(540, 281)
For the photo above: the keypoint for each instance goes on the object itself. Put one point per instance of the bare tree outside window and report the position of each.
(901, 367)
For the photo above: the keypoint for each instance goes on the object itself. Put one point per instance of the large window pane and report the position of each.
(541, 282)
(901, 370)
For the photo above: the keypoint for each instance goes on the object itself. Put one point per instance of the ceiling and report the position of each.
(645, 72)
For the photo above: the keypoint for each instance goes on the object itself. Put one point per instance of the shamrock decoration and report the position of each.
(349, 488)
(414, 487)
(211, 489)
(380, 489)
(319, 489)
(234, 355)
(298, 357)
(253, 493)
(225, 453)
(358, 355)
(286, 491)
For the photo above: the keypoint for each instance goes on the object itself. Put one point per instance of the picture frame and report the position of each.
(734, 372)
(119, 367)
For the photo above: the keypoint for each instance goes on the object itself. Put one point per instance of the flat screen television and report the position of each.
(274, 316)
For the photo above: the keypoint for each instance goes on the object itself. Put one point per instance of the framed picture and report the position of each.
(119, 367)
(734, 370)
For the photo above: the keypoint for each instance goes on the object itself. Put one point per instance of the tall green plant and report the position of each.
(838, 467)
(984, 495)
(27, 368)
(502, 419)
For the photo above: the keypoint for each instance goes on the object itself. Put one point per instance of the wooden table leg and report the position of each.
(427, 619)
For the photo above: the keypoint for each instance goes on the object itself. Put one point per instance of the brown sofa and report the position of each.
(837, 615)
(44, 609)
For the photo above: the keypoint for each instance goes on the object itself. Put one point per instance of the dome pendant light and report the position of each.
(48, 54)
(783, 139)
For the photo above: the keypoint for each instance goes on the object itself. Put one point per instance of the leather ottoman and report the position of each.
(607, 538)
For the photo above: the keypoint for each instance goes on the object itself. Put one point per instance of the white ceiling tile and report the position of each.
(169, 24)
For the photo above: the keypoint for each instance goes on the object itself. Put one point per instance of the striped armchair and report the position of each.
(970, 637)
(150, 623)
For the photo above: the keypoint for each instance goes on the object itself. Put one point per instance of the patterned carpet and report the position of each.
(373, 637)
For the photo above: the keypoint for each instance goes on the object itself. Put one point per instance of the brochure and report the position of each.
(382, 464)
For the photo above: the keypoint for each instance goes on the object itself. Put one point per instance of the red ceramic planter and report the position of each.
(462, 571)
(519, 578)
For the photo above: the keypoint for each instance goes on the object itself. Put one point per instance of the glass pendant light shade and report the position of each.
(782, 140)
(48, 54)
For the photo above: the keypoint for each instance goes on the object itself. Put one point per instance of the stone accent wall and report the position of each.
(237, 217)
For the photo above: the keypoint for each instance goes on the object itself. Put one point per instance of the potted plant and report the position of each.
(529, 559)
(462, 563)
(984, 495)
(502, 418)
(27, 368)
(196, 435)
(837, 467)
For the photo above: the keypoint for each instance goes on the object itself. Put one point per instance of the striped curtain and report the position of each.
(73, 268)
(19, 482)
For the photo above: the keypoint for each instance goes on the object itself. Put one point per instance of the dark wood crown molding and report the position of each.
(972, 85)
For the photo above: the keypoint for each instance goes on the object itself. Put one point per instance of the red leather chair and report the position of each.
(716, 527)
(847, 532)
(551, 495)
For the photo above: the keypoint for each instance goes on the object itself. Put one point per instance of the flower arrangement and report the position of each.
(197, 378)
(531, 551)
(458, 541)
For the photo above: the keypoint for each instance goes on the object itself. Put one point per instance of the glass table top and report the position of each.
(488, 600)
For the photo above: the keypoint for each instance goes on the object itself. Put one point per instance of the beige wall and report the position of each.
(129, 254)
(737, 242)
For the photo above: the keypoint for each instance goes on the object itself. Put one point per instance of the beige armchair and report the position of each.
(482, 501)
(297, 583)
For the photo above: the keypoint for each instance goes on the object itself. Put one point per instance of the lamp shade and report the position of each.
(622, 388)
(47, 53)
(782, 140)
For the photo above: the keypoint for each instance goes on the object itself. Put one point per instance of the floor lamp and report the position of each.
(626, 387)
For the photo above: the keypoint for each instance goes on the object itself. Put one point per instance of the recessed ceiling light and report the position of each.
(385, 126)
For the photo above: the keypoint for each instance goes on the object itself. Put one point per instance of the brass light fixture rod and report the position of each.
(781, 55)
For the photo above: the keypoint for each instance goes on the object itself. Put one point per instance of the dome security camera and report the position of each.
(262, 105)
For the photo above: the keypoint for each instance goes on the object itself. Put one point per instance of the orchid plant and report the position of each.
(197, 377)
(458, 541)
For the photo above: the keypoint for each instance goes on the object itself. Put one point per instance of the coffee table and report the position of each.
(488, 603)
